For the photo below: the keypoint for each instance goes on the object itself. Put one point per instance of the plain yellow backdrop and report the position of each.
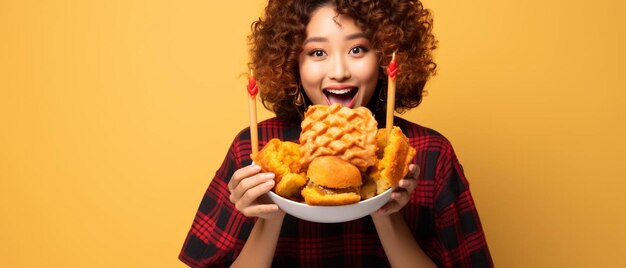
(115, 115)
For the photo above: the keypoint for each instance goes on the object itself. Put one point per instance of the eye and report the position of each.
(317, 53)
(358, 50)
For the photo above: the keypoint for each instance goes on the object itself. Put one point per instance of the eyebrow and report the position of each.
(323, 39)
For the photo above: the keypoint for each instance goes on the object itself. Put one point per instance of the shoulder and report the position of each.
(440, 169)
(424, 138)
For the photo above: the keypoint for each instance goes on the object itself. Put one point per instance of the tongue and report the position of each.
(343, 99)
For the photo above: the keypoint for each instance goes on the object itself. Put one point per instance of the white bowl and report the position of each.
(331, 214)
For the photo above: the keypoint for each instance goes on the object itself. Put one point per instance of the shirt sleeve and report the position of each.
(461, 240)
(218, 231)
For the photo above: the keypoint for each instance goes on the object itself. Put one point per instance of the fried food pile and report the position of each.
(345, 157)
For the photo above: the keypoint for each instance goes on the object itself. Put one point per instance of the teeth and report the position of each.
(339, 91)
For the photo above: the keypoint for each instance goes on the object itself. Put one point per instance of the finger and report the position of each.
(400, 197)
(248, 183)
(253, 193)
(408, 184)
(389, 208)
(261, 211)
(414, 171)
(242, 173)
(395, 204)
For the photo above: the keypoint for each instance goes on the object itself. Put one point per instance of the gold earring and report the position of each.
(299, 101)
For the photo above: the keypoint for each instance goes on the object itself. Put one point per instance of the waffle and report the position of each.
(347, 133)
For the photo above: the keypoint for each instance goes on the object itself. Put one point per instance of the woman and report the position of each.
(325, 52)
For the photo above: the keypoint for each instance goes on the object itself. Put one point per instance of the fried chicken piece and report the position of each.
(395, 154)
(368, 189)
(283, 159)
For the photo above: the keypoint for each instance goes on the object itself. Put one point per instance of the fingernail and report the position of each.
(269, 183)
(255, 167)
(268, 175)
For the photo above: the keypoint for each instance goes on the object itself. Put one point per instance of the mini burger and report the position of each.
(332, 181)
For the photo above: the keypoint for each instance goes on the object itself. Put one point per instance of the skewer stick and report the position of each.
(392, 70)
(252, 90)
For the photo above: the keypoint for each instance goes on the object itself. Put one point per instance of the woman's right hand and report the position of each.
(247, 189)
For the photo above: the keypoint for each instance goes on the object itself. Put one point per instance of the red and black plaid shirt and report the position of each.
(441, 214)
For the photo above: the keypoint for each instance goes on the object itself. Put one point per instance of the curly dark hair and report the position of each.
(401, 26)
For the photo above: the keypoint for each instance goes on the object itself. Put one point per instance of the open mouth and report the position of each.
(344, 96)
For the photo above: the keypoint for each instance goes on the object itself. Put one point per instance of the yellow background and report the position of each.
(116, 114)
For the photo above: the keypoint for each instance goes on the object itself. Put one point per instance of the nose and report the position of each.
(339, 70)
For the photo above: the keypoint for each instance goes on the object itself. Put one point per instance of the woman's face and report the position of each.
(337, 64)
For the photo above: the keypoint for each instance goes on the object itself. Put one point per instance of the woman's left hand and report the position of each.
(401, 195)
